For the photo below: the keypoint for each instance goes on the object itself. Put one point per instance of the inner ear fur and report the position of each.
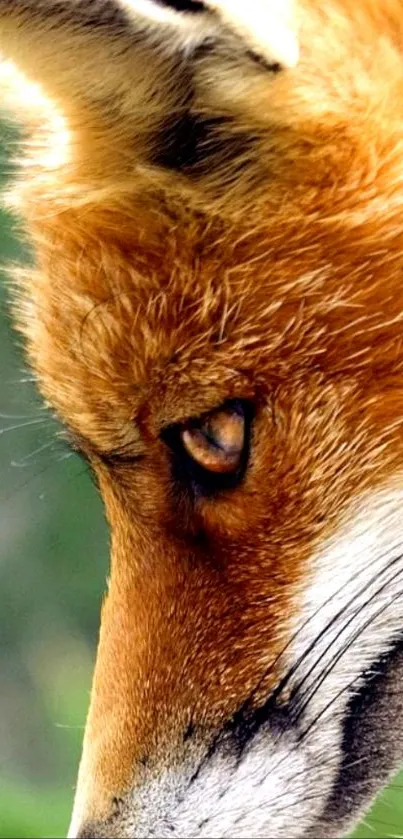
(135, 79)
(107, 76)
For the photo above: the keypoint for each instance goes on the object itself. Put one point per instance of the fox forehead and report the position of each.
(205, 306)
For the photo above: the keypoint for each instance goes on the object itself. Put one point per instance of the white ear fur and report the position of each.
(267, 26)
(129, 66)
(65, 46)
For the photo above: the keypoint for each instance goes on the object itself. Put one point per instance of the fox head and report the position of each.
(214, 190)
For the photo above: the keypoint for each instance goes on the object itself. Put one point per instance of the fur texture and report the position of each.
(213, 220)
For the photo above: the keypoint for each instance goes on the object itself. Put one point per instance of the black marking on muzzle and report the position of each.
(239, 731)
(372, 745)
(248, 722)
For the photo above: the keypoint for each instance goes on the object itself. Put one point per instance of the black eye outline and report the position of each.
(187, 472)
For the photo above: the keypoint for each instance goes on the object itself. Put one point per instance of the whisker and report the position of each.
(304, 772)
(317, 796)
(317, 765)
(29, 481)
(352, 640)
(66, 455)
(333, 663)
(69, 727)
(17, 426)
(22, 464)
(17, 416)
(382, 823)
(246, 706)
(340, 613)
(330, 666)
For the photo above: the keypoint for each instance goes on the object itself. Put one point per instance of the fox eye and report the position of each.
(217, 442)
(210, 454)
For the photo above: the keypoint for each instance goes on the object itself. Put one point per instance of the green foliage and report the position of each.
(385, 818)
(27, 812)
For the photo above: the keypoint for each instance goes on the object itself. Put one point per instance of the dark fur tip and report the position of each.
(187, 6)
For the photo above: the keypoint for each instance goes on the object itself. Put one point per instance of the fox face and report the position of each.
(213, 192)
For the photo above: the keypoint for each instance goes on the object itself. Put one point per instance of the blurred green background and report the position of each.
(53, 564)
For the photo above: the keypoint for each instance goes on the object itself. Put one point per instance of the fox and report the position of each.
(213, 194)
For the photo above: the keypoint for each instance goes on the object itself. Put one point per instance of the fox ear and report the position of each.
(267, 26)
(85, 54)
(123, 70)
(110, 53)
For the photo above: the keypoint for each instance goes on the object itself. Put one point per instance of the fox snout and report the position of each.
(213, 196)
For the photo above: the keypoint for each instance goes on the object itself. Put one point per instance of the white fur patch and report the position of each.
(267, 27)
(351, 612)
(351, 604)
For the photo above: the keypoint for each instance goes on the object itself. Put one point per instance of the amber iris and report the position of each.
(217, 441)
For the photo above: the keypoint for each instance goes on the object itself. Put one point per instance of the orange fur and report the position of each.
(274, 277)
